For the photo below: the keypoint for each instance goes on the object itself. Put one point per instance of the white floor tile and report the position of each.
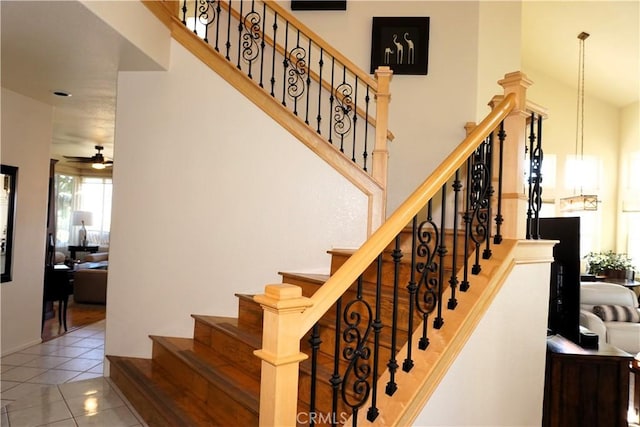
(7, 385)
(39, 397)
(96, 353)
(38, 415)
(77, 389)
(87, 343)
(86, 376)
(94, 403)
(18, 359)
(22, 373)
(115, 417)
(54, 376)
(78, 364)
(24, 389)
(69, 351)
(47, 362)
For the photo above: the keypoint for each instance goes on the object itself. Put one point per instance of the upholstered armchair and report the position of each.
(611, 311)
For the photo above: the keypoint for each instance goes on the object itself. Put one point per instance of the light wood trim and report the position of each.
(328, 294)
(163, 10)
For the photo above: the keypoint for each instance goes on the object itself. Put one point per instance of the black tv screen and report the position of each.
(564, 296)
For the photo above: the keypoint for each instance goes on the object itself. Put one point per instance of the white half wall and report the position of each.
(498, 377)
(210, 197)
(25, 143)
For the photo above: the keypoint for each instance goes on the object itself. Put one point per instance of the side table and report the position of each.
(585, 387)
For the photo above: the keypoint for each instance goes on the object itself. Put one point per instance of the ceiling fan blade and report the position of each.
(81, 160)
(78, 158)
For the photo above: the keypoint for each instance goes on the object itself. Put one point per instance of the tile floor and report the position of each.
(60, 383)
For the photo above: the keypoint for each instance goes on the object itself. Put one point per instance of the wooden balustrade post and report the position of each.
(514, 195)
(283, 305)
(381, 151)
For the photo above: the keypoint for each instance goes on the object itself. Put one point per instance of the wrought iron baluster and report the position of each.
(536, 202)
(365, 154)
(486, 254)
(464, 285)
(393, 363)
(331, 99)
(372, 412)
(359, 323)
(478, 202)
(218, 10)
(240, 35)
(453, 281)
(428, 237)
(497, 239)
(205, 17)
(532, 138)
(228, 43)
(438, 322)
(285, 63)
(412, 287)
(184, 12)
(250, 37)
(343, 108)
(273, 54)
(263, 43)
(320, 64)
(306, 116)
(355, 120)
(336, 378)
(315, 342)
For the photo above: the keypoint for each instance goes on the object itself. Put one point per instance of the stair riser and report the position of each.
(142, 405)
(249, 315)
(218, 403)
(229, 347)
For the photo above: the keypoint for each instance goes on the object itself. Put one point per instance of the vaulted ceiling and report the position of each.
(61, 46)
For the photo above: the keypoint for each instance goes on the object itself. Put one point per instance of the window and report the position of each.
(91, 194)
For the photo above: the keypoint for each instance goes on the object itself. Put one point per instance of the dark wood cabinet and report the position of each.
(585, 387)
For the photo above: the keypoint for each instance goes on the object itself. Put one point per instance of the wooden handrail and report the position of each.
(328, 294)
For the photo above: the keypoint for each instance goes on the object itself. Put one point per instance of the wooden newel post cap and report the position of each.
(283, 296)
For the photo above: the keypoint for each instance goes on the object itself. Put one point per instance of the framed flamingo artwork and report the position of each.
(401, 43)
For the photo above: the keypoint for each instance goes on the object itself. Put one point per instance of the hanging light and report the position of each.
(581, 202)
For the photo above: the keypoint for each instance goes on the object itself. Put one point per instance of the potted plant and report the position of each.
(610, 264)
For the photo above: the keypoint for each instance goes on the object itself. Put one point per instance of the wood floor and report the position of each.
(78, 315)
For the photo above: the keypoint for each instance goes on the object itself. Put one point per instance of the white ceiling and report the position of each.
(60, 45)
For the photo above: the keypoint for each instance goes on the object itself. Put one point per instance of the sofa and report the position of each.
(90, 284)
(611, 311)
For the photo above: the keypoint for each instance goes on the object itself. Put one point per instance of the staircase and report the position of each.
(214, 377)
(344, 346)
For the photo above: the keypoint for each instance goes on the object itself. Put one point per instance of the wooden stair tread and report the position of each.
(212, 320)
(145, 380)
(243, 388)
(309, 277)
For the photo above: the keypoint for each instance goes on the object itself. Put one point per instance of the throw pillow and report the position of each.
(617, 313)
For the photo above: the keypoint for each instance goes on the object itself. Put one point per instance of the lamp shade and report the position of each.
(82, 218)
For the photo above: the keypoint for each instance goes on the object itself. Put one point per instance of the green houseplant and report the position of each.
(610, 264)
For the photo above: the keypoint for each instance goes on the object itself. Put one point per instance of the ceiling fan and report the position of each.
(97, 161)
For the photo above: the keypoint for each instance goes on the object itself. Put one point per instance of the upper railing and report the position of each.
(396, 281)
(295, 66)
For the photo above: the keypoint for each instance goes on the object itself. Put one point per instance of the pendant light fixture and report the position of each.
(580, 202)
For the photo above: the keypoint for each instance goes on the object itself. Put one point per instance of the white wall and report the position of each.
(628, 239)
(428, 113)
(25, 142)
(210, 197)
(498, 378)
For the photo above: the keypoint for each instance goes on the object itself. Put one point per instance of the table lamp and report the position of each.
(82, 218)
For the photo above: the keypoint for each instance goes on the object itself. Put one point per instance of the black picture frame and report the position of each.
(401, 43)
(318, 4)
(8, 205)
